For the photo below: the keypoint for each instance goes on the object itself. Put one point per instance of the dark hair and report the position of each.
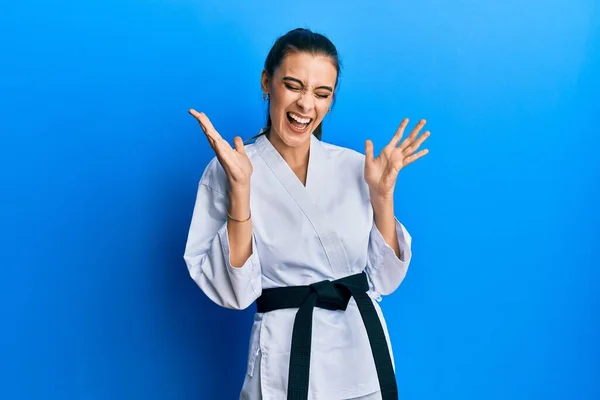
(301, 40)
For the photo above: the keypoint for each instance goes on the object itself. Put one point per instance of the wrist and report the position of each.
(382, 201)
(240, 192)
(239, 204)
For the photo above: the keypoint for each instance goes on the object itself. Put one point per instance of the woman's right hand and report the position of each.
(235, 162)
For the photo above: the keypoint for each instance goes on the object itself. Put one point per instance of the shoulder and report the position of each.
(348, 167)
(343, 155)
(214, 177)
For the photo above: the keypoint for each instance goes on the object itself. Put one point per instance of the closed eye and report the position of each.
(294, 88)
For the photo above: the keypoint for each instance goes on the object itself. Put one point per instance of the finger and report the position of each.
(408, 141)
(239, 145)
(418, 143)
(223, 149)
(220, 147)
(212, 143)
(205, 123)
(197, 115)
(223, 154)
(416, 156)
(399, 133)
(369, 155)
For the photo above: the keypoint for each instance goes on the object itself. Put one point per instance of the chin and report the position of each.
(293, 138)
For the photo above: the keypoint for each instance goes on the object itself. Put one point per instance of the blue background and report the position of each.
(99, 163)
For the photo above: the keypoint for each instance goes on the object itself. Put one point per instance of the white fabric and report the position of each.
(301, 235)
(251, 388)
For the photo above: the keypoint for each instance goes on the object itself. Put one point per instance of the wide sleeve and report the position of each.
(207, 254)
(384, 269)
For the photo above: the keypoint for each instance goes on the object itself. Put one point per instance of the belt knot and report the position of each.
(331, 295)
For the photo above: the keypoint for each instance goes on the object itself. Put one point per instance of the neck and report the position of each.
(295, 157)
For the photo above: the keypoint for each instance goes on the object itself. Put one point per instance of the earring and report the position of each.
(329, 109)
(266, 96)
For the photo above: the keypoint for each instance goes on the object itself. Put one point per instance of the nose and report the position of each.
(306, 101)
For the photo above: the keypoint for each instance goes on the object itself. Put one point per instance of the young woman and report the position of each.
(307, 230)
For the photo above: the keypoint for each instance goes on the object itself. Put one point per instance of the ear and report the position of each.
(264, 81)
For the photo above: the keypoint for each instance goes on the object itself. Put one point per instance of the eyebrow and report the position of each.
(298, 81)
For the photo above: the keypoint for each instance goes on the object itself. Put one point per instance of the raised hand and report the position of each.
(235, 162)
(381, 172)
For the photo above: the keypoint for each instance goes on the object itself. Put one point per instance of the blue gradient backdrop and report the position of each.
(99, 163)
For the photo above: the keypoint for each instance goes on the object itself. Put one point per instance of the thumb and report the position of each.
(239, 145)
(369, 151)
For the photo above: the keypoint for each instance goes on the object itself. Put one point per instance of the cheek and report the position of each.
(274, 108)
(276, 101)
(280, 101)
(275, 112)
(322, 109)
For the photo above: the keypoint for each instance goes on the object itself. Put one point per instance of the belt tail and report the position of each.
(299, 372)
(379, 346)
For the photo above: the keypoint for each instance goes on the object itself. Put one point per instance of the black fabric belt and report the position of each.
(331, 295)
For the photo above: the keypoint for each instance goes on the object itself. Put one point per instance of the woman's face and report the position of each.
(301, 92)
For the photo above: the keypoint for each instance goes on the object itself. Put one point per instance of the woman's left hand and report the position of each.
(381, 172)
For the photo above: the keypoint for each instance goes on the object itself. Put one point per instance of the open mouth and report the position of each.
(298, 123)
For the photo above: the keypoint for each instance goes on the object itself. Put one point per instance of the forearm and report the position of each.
(239, 233)
(385, 220)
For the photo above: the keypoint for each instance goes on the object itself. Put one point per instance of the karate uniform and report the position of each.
(300, 235)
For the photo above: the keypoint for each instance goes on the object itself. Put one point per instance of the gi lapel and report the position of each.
(307, 198)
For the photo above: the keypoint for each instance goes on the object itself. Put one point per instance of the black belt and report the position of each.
(331, 295)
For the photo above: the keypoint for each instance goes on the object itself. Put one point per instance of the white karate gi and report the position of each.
(301, 235)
